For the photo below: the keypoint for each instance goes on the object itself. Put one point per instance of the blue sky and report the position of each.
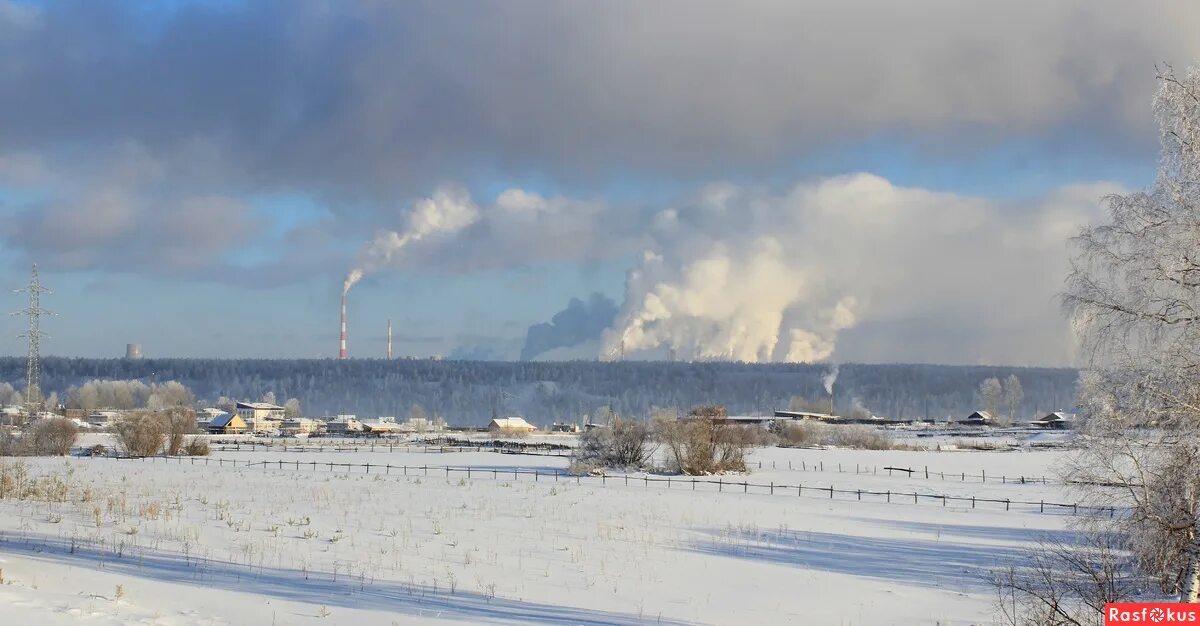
(201, 179)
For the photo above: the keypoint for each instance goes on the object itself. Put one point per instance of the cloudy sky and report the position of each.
(857, 181)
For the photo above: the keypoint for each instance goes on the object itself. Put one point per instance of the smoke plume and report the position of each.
(829, 378)
(450, 209)
(578, 323)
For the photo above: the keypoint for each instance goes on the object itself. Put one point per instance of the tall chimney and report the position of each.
(389, 351)
(342, 349)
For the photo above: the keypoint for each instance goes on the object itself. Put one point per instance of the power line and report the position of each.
(33, 366)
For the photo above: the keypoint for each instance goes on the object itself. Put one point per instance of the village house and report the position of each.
(978, 418)
(1057, 420)
(227, 424)
(260, 416)
(299, 426)
(343, 425)
(510, 426)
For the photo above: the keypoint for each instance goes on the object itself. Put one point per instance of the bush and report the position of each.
(196, 446)
(11, 444)
(810, 434)
(179, 421)
(859, 437)
(704, 446)
(623, 443)
(53, 436)
(141, 433)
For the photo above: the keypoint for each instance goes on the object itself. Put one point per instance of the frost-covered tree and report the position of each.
(990, 391)
(1013, 394)
(6, 394)
(1134, 298)
(291, 408)
(269, 397)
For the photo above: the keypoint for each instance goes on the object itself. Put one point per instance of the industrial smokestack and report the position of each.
(342, 348)
(389, 349)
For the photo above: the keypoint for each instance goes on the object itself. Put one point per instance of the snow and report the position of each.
(231, 544)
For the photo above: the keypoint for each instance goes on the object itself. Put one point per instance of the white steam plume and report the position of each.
(450, 209)
(829, 378)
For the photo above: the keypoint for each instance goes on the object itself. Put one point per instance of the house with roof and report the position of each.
(227, 424)
(510, 426)
(978, 418)
(260, 416)
(1057, 420)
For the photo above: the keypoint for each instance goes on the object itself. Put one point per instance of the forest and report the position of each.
(468, 393)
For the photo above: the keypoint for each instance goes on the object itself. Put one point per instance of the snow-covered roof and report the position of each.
(510, 422)
(980, 415)
(262, 406)
(221, 421)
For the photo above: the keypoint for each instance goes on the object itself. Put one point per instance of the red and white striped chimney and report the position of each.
(342, 350)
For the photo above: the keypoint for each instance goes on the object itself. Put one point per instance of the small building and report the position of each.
(102, 419)
(260, 416)
(510, 426)
(227, 424)
(978, 418)
(204, 416)
(343, 425)
(299, 426)
(807, 415)
(382, 426)
(564, 427)
(1057, 420)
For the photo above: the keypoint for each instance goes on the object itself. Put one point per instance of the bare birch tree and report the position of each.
(1134, 298)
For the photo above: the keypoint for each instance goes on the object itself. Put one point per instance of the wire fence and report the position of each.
(803, 466)
(689, 483)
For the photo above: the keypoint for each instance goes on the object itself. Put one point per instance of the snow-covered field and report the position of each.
(165, 542)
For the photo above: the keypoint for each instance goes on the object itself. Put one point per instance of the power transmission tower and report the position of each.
(33, 366)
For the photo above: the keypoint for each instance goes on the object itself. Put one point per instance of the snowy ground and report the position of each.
(230, 544)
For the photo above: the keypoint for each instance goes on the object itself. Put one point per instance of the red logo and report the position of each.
(1164, 613)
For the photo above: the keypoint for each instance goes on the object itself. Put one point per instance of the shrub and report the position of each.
(803, 434)
(704, 446)
(622, 443)
(141, 433)
(179, 421)
(11, 444)
(857, 436)
(54, 436)
(196, 446)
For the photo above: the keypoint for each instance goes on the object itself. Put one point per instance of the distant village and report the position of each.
(270, 419)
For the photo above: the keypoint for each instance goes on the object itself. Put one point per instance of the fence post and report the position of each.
(972, 502)
(745, 487)
(831, 492)
(1041, 506)
(926, 472)
(889, 496)
(914, 497)
(1007, 502)
(983, 474)
(772, 487)
(720, 484)
(860, 494)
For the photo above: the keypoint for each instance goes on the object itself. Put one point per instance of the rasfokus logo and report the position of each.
(1151, 613)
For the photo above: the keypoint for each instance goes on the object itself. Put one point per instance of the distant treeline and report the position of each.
(471, 392)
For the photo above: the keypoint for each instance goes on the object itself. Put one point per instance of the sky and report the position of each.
(764, 181)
